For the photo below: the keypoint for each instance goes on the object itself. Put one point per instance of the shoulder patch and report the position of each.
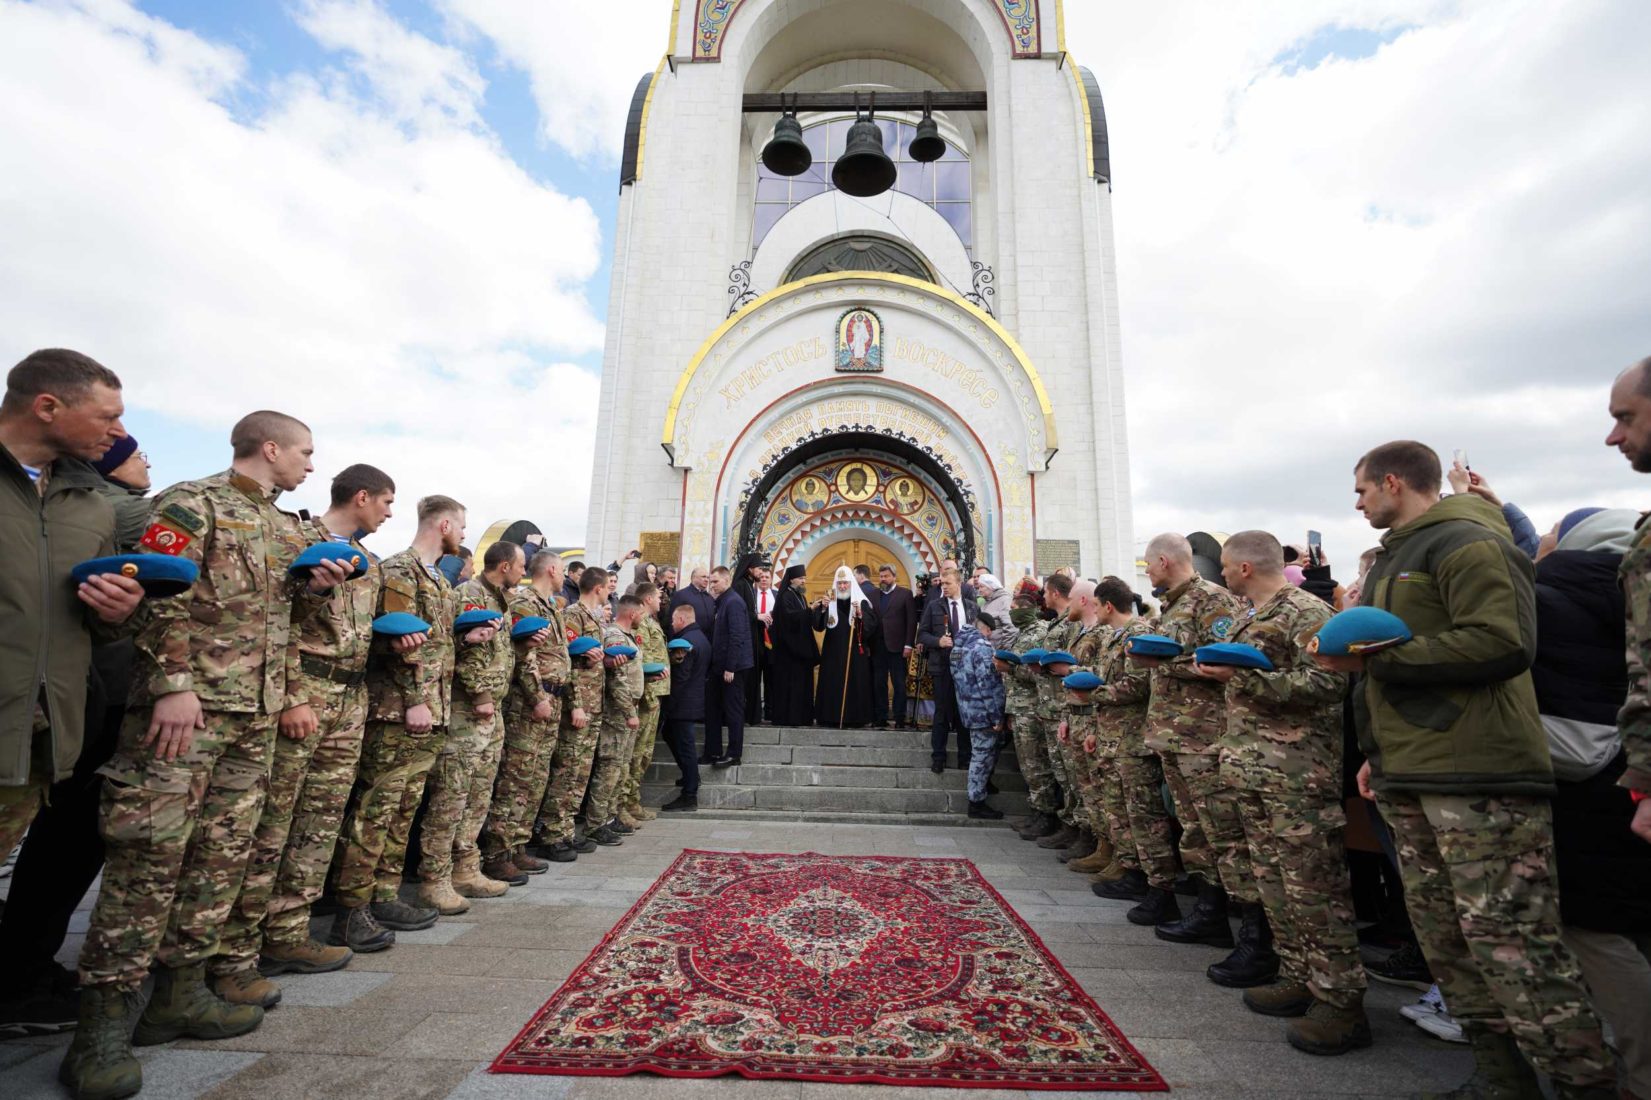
(1222, 626)
(163, 538)
(186, 519)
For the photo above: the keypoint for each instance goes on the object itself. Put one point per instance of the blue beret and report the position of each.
(1235, 654)
(1154, 645)
(1362, 630)
(399, 624)
(476, 616)
(582, 645)
(626, 651)
(450, 566)
(528, 625)
(316, 553)
(679, 643)
(653, 668)
(1032, 656)
(159, 574)
(1007, 656)
(1057, 657)
(1082, 680)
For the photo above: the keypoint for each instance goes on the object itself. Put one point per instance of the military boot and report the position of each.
(528, 864)
(1041, 825)
(501, 868)
(309, 957)
(1158, 907)
(1253, 962)
(402, 917)
(1063, 837)
(1329, 1030)
(642, 813)
(1500, 1072)
(247, 987)
(560, 851)
(182, 1007)
(469, 882)
(625, 818)
(1130, 885)
(357, 929)
(441, 897)
(1287, 997)
(99, 1064)
(1113, 871)
(1098, 860)
(1207, 923)
(1085, 845)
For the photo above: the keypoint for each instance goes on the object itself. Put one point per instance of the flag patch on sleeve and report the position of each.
(163, 538)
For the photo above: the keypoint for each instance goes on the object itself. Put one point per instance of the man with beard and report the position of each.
(891, 648)
(796, 652)
(843, 695)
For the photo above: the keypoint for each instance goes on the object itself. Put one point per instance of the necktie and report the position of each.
(762, 609)
(953, 614)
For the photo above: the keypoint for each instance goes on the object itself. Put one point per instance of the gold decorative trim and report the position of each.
(647, 105)
(1088, 119)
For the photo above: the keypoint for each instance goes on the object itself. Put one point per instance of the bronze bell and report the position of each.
(928, 146)
(864, 169)
(786, 154)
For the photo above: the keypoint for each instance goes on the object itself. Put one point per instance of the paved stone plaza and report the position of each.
(424, 1019)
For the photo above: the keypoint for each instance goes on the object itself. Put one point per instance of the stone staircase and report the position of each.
(864, 776)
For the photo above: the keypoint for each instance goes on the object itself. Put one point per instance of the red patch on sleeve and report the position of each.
(474, 607)
(572, 633)
(164, 539)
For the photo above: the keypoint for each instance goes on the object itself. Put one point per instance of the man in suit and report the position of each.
(862, 577)
(897, 616)
(686, 704)
(730, 665)
(934, 592)
(747, 575)
(947, 613)
(696, 595)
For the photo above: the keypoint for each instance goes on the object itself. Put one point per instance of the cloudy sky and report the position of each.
(1339, 221)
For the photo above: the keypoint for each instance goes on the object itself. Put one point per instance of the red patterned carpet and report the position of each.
(828, 968)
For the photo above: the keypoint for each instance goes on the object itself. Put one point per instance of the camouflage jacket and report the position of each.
(654, 652)
(1086, 647)
(546, 664)
(226, 639)
(1634, 721)
(1187, 712)
(330, 648)
(1062, 634)
(1121, 700)
(1284, 727)
(1021, 685)
(622, 692)
(482, 671)
(587, 676)
(398, 681)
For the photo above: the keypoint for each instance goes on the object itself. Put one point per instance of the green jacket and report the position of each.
(1454, 709)
(47, 640)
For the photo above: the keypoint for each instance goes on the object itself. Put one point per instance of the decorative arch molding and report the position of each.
(894, 215)
(1022, 21)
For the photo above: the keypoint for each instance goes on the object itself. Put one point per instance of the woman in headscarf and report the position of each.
(795, 653)
(843, 696)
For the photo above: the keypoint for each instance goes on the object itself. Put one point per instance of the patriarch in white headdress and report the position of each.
(844, 587)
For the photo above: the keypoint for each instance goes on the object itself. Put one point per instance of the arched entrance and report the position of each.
(824, 562)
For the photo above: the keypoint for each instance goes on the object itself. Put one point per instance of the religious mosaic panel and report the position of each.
(905, 504)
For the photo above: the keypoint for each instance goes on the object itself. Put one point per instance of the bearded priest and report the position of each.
(842, 698)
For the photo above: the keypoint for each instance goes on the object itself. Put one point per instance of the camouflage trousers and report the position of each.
(177, 834)
(461, 792)
(570, 768)
(642, 758)
(19, 805)
(309, 785)
(1042, 794)
(1080, 764)
(1482, 892)
(1068, 809)
(524, 772)
(1114, 813)
(1212, 836)
(372, 848)
(1140, 784)
(612, 764)
(1295, 845)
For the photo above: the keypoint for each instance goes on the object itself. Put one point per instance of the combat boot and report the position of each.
(560, 851)
(309, 957)
(1281, 998)
(642, 813)
(624, 818)
(617, 827)
(469, 882)
(1500, 1072)
(1207, 923)
(441, 897)
(1131, 885)
(1064, 837)
(1041, 825)
(1253, 962)
(1329, 1030)
(528, 864)
(605, 836)
(357, 929)
(1085, 845)
(402, 917)
(502, 868)
(99, 1064)
(1158, 907)
(1097, 860)
(247, 987)
(182, 1007)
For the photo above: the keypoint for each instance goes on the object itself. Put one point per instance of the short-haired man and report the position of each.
(532, 716)
(731, 662)
(1631, 434)
(461, 784)
(891, 648)
(622, 694)
(315, 760)
(570, 765)
(686, 705)
(1458, 762)
(186, 787)
(409, 703)
(697, 595)
(1079, 740)
(942, 618)
(651, 637)
(1073, 837)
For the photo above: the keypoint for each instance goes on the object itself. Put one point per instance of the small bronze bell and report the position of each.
(864, 169)
(928, 146)
(786, 154)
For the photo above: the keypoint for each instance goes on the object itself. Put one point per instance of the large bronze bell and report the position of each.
(864, 169)
(928, 146)
(786, 154)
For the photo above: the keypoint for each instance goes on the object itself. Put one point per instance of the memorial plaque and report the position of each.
(1056, 554)
(662, 548)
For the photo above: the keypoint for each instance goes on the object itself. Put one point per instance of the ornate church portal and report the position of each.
(926, 373)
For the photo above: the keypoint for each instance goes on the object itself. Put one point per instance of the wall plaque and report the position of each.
(662, 548)
(1056, 554)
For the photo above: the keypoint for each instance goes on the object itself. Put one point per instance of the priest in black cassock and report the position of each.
(795, 653)
(843, 696)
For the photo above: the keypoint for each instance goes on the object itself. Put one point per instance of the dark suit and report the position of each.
(759, 681)
(897, 620)
(934, 624)
(725, 700)
(704, 605)
(686, 705)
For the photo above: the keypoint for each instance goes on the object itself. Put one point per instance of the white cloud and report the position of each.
(363, 254)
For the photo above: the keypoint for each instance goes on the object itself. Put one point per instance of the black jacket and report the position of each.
(1604, 870)
(731, 637)
(934, 623)
(687, 698)
(704, 605)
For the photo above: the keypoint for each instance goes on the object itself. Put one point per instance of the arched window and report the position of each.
(944, 184)
(860, 253)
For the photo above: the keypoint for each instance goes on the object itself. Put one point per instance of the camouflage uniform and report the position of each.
(621, 698)
(1635, 720)
(1282, 756)
(1186, 717)
(461, 784)
(1136, 810)
(1021, 703)
(575, 754)
(524, 770)
(1082, 724)
(395, 761)
(1051, 713)
(310, 780)
(178, 832)
(649, 710)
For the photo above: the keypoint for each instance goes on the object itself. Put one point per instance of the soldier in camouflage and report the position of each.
(1062, 631)
(1082, 731)
(1631, 434)
(408, 703)
(570, 766)
(461, 784)
(1186, 719)
(1020, 704)
(316, 754)
(186, 785)
(631, 811)
(621, 699)
(532, 714)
